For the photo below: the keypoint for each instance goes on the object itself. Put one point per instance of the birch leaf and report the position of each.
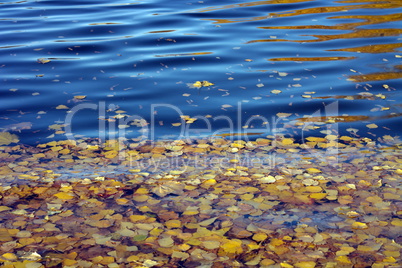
(6, 138)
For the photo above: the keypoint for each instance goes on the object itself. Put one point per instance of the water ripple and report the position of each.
(136, 54)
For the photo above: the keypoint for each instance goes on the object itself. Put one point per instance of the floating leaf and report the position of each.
(283, 114)
(226, 106)
(43, 60)
(359, 225)
(276, 91)
(372, 126)
(62, 107)
(207, 84)
(287, 141)
(197, 84)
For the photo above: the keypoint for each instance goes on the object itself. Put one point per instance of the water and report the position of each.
(141, 59)
(173, 69)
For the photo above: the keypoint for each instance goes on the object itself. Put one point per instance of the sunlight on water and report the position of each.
(134, 55)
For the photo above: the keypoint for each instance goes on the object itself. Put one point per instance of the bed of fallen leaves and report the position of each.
(341, 209)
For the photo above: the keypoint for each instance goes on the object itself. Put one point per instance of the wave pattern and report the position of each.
(133, 55)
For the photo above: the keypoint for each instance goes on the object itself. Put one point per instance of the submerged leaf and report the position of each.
(171, 187)
(6, 138)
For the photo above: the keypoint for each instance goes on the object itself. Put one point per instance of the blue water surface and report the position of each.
(124, 69)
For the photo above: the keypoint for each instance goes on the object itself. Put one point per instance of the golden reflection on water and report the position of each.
(375, 76)
(356, 29)
(312, 58)
(346, 118)
(379, 48)
(250, 4)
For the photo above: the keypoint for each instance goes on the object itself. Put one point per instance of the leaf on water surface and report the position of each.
(276, 91)
(43, 60)
(226, 106)
(283, 114)
(62, 107)
(197, 84)
(287, 141)
(6, 138)
(207, 83)
(372, 126)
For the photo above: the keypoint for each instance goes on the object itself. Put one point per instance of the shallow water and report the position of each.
(141, 59)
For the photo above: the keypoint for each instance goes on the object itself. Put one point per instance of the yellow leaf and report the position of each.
(276, 91)
(232, 246)
(287, 141)
(207, 222)
(43, 60)
(316, 139)
(190, 212)
(359, 225)
(122, 201)
(197, 84)
(80, 97)
(111, 154)
(346, 138)
(305, 264)
(372, 126)
(318, 195)
(283, 114)
(135, 218)
(211, 244)
(4, 208)
(6, 138)
(226, 106)
(9, 256)
(397, 222)
(166, 242)
(260, 237)
(206, 83)
(173, 224)
(64, 196)
(314, 189)
(313, 170)
(62, 107)
(343, 260)
(389, 259)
